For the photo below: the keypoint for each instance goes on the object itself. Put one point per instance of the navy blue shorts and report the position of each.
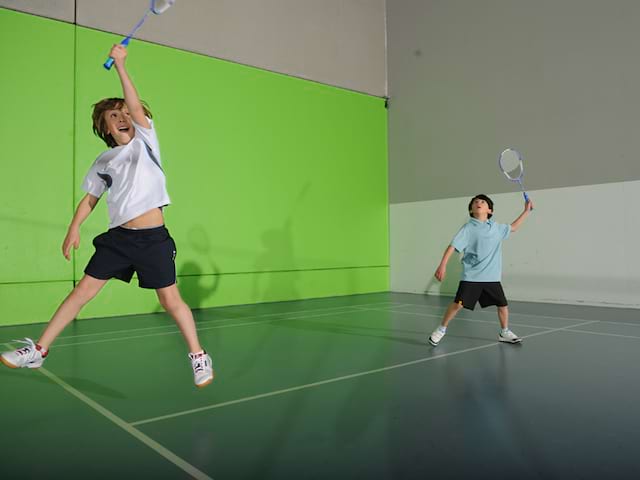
(487, 293)
(120, 252)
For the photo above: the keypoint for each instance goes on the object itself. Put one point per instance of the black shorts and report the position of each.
(487, 293)
(121, 251)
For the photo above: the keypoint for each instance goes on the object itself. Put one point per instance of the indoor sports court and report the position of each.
(320, 157)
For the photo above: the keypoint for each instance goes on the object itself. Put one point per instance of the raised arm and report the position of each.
(518, 221)
(85, 207)
(119, 55)
(442, 268)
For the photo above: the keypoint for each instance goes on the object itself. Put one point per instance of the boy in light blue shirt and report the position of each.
(480, 241)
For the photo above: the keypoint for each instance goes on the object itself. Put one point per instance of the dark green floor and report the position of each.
(332, 388)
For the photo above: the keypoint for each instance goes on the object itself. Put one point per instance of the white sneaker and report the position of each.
(436, 336)
(509, 337)
(25, 357)
(202, 368)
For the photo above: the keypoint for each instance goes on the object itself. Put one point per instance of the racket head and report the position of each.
(160, 6)
(511, 164)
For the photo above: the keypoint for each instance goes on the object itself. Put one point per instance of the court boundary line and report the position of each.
(621, 323)
(618, 335)
(204, 322)
(212, 327)
(457, 318)
(485, 312)
(339, 379)
(127, 427)
(334, 311)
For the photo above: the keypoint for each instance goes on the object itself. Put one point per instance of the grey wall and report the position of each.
(558, 79)
(336, 42)
(58, 9)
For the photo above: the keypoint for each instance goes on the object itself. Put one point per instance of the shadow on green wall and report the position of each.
(278, 243)
(196, 286)
(199, 276)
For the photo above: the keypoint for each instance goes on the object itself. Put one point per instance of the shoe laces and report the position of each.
(198, 362)
(30, 348)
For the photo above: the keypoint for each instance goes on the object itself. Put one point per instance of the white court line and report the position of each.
(149, 442)
(606, 334)
(621, 323)
(457, 318)
(443, 309)
(203, 322)
(214, 327)
(338, 379)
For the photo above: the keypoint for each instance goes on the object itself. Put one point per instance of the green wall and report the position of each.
(36, 128)
(279, 185)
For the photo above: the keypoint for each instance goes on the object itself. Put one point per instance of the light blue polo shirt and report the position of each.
(481, 245)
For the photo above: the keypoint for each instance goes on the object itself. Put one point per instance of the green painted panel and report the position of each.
(212, 291)
(24, 303)
(279, 184)
(36, 133)
(266, 172)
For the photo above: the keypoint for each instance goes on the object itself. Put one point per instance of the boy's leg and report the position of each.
(505, 334)
(172, 302)
(503, 316)
(201, 363)
(33, 355)
(450, 314)
(87, 288)
(439, 332)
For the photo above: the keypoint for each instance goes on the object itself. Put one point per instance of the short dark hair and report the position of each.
(481, 196)
(100, 124)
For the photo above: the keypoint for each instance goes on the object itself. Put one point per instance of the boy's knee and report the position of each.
(83, 293)
(170, 302)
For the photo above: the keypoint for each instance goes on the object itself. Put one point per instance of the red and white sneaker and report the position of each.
(202, 368)
(31, 356)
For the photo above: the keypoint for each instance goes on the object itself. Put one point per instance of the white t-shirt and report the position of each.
(133, 176)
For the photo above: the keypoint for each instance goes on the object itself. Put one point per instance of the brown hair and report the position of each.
(99, 122)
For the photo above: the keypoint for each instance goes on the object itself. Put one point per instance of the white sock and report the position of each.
(442, 329)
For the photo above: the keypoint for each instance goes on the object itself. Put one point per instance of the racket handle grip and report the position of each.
(526, 197)
(110, 61)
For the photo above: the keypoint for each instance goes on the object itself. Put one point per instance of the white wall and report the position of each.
(579, 246)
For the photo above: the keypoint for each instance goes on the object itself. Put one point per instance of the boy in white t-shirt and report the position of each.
(137, 240)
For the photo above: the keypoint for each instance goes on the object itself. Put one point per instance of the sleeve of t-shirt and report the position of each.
(93, 184)
(505, 231)
(461, 239)
(149, 137)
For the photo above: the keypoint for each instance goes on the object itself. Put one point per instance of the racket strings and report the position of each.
(510, 162)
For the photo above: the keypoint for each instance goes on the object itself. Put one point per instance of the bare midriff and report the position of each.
(152, 218)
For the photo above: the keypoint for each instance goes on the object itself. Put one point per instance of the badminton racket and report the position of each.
(512, 165)
(156, 7)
